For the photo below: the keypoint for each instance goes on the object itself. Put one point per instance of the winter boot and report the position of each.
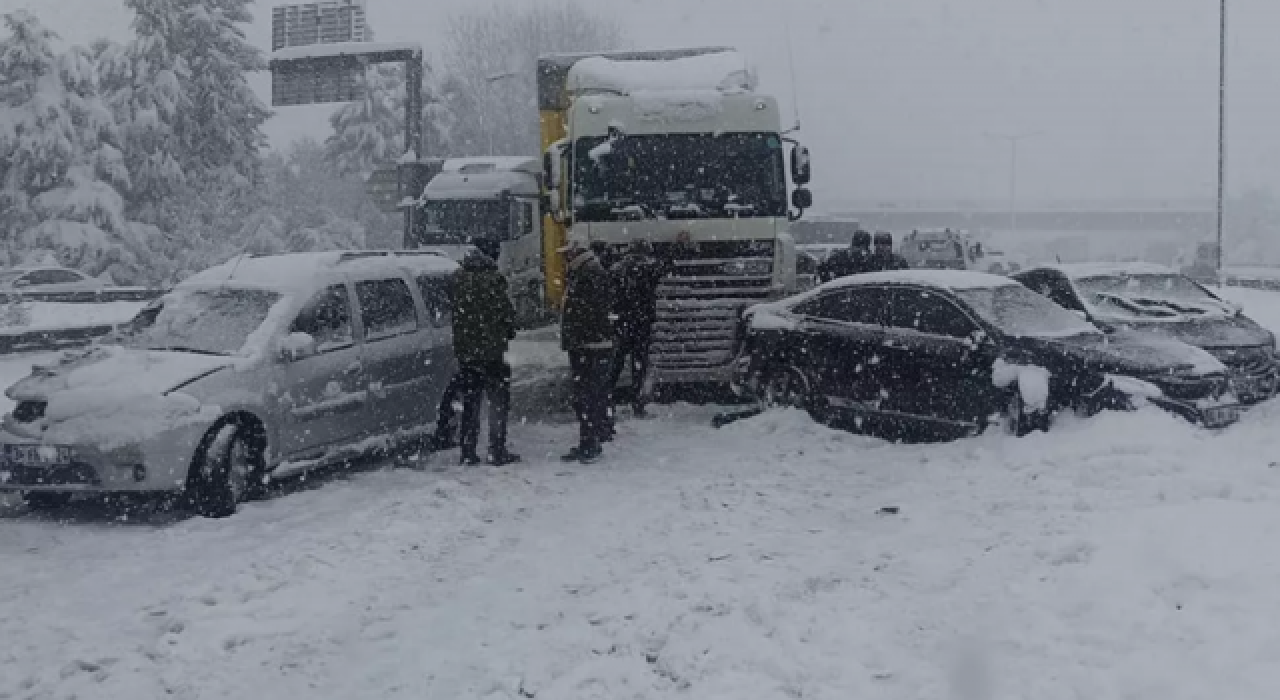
(585, 454)
(503, 457)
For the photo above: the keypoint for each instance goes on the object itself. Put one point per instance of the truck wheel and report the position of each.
(44, 501)
(227, 471)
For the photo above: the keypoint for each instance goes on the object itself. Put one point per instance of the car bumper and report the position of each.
(159, 464)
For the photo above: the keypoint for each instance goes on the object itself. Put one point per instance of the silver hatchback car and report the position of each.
(252, 370)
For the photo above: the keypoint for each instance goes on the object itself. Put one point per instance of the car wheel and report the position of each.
(43, 501)
(228, 471)
(791, 387)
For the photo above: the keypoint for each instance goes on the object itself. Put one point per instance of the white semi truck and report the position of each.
(677, 148)
(497, 197)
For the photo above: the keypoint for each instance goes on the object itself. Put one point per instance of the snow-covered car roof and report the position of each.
(943, 279)
(1107, 269)
(487, 184)
(293, 272)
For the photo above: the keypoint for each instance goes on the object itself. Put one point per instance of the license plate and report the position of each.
(1220, 416)
(38, 455)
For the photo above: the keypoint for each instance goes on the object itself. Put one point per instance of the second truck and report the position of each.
(677, 148)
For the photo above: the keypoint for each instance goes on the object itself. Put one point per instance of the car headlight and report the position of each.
(1134, 387)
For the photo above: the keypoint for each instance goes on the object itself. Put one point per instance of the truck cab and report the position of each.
(490, 197)
(676, 147)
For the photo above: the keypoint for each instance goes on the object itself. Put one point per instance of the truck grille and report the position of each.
(698, 310)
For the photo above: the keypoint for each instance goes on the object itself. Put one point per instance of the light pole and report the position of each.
(1222, 125)
(1014, 140)
(488, 92)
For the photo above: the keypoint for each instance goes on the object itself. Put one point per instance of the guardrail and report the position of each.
(30, 340)
(88, 296)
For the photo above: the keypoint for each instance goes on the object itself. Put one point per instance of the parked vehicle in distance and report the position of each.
(47, 279)
(917, 354)
(820, 251)
(1158, 300)
(249, 371)
(936, 250)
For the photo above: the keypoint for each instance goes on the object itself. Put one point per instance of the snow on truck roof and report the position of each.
(293, 272)
(722, 71)
(1108, 269)
(492, 163)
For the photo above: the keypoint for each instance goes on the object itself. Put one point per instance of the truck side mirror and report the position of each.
(801, 198)
(800, 166)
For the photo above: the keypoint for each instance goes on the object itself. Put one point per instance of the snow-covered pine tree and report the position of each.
(369, 132)
(62, 168)
(143, 82)
(221, 134)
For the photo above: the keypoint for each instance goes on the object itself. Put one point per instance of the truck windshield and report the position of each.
(485, 218)
(679, 176)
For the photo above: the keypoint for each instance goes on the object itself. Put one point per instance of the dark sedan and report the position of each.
(1159, 301)
(927, 354)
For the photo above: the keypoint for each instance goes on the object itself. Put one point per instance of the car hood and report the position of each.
(1128, 352)
(1214, 332)
(110, 397)
(126, 372)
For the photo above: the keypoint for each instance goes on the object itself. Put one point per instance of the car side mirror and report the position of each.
(801, 198)
(800, 165)
(297, 346)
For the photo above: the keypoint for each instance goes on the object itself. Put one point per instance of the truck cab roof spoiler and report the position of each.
(553, 69)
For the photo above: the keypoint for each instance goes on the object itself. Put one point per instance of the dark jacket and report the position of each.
(585, 322)
(842, 263)
(888, 261)
(635, 282)
(483, 318)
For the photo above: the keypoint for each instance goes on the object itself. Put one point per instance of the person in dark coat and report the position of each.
(884, 258)
(855, 260)
(483, 325)
(635, 302)
(586, 332)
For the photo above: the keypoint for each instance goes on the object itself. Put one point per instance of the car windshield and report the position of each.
(1098, 290)
(208, 322)
(1018, 311)
(680, 176)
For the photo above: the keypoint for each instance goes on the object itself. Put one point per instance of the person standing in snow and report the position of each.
(483, 325)
(636, 278)
(586, 333)
(852, 261)
(884, 258)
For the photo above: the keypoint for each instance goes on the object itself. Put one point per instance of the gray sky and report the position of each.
(896, 95)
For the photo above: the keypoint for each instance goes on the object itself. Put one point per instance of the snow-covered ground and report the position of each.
(1127, 556)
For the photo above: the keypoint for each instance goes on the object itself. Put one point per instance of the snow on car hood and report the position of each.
(1128, 350)
(126, 371)
(113, 396)
(1211, 332)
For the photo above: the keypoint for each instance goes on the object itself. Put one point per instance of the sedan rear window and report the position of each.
(1018, 311)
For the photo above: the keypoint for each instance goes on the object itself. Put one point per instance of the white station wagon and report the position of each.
(251, 370)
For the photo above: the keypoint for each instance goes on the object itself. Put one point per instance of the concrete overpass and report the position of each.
(1185, 218)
